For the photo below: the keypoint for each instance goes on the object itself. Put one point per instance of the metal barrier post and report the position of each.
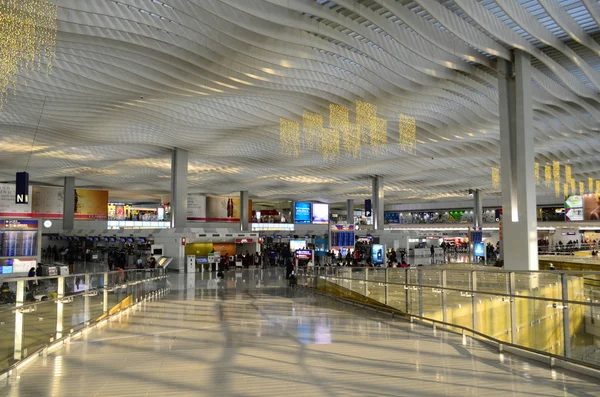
(513, 308)
(566, 316)
(366, 292)
(386, 288)
(105, 293)
(407, 290)
(474, 299)
(20, 299)
(59, 307)
(420, 287)
(444, 300)
(86, 299)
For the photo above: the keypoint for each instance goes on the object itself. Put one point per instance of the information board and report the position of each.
(302, 213)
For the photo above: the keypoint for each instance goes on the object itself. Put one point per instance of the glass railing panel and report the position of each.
(376, 274)
(397, 296)
(493, 316)
(431, 300)
(7, 337)
(493, 282)
(397, 275)
(584, 327)
(39, 325)
(432, 277)
(458, 279)
(459, 308)
(376, 291)
(539, 325)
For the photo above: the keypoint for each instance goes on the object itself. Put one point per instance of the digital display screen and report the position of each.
(342, 239)
(201, 260)
(302, 213)
(378, 254)
(122, 239)
(106, 239)
(6, 269)
(142, 240)
(391, 217)
(297, 245)
(320, 214)
(130, 240)
(479, 248)
(113, 240)
(18, 243)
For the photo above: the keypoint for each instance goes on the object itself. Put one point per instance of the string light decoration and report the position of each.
(339, 120)
(312, 127)
(379, 135)
(408, 134)
(547, 175)
(556, 174)
(330, 144)
(597, 187)
(566, 189)
(590, 185)
(573, 183)
(289, 137)
(536, 171)
(495, 177)
(567, 174)
(581, 188)
(27, 40)
(366, 118)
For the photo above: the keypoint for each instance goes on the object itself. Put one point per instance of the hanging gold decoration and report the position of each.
(567, 173)
(366, 115)
(536, 171)
(556, 174)
(289, 137)
(597, 187)
(581, 188)
(339, 120)
(590, 185)
(408, 134)
(379, 135)
(330, 144)
(566, 190)
(495, 177)
(27, 39)
(312, 127)
(547, 175)
(572, 182)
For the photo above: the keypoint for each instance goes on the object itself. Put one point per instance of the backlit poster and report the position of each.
(222, 209)
(320, 214)
(574, 208)
(378, 254)
(196, 207)
(7, 201)
(91, 204)
(302, 213)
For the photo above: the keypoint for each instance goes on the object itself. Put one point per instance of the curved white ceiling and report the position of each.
(133, 79)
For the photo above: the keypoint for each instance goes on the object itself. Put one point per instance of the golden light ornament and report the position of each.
(495, 177)
(566, 189)
(556, 174)
(581, 188)
(366, 115)
(312, 127)
(330, 144)
(408, 134)
(536, 171)
(590, 185)
(597, 187)
(573, 184)
(339, 120)
(289, 137)
(27, 40)
(567, 173)
(379, 135)
(547, 175)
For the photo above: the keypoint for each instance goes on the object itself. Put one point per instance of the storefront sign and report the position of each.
(243, 240)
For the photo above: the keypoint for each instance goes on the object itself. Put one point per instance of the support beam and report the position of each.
(350, 211)
(477, 209)
(179, 188)
(69, 204)
(378, 202)
(517, 161)
(244, 214)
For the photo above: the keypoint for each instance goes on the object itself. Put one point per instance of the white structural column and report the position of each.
(350, 211)
(179, 188)
(477, 209)
(244, 211)
(517, 161)
(377, 202)
(69, 204)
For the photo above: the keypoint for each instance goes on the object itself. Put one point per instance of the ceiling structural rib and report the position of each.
(134, 78)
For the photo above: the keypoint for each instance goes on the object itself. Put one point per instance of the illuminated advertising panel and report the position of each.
(302, 213)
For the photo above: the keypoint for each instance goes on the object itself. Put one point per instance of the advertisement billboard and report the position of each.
(302, 213)
(378, 254)
(297, 245)
(574, 209)
(196, 207)
(48, 202)
(479, 249)
(591, 207)
(8, 207)
(320, 214)
(91, 204)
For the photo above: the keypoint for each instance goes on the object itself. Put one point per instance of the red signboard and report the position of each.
(243, 240)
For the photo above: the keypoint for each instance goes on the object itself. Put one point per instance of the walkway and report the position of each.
(270, 341)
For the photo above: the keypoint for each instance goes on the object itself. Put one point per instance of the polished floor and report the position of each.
(258, 338)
